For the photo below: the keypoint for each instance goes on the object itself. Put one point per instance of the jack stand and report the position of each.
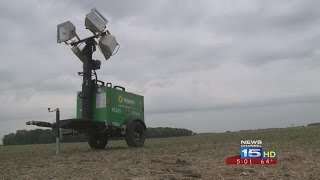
(57, 129)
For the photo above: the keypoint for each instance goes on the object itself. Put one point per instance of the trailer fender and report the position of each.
(130, 121)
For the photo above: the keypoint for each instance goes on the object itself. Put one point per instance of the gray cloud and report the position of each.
(198, 107)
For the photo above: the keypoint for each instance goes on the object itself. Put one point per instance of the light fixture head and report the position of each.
(95, 21)
(65, 31)
(107, 44)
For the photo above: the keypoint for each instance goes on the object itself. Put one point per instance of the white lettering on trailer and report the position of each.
(129, 101)
(126, 100)
(116, 110)
(126, 107)
(135, 113)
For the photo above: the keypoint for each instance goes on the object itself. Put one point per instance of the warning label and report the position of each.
(101, 100)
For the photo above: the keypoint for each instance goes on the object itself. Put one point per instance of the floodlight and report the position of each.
(107, 44)
(95, 21)
(65, 31)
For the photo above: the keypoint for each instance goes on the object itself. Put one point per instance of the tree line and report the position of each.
(46, 136)
(163, 132)
(314, 124)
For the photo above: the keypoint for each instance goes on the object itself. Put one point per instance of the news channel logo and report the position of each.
(251, 152)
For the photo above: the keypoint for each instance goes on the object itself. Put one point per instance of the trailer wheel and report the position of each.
(97, 141)
(135, 135)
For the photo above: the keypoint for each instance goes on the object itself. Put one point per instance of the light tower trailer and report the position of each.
(103, 111)
(115, 113)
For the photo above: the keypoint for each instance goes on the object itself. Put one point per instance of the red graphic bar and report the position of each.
(262, 161)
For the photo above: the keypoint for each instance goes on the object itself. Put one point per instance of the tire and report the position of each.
(135, 135)
(97, 141)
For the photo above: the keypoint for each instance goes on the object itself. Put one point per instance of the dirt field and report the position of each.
(196, 157)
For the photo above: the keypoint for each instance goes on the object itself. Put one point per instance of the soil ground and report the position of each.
(195, 157)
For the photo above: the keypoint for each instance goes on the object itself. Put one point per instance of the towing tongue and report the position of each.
(40, 123)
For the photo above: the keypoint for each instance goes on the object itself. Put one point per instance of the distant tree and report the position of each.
(45, 136)
(314, 124)
(9, 139)
(37, 136)
(163, 132)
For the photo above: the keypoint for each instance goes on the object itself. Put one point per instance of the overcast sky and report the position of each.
(209, 66)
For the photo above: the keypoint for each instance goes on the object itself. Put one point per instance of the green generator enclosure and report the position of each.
(113, 105)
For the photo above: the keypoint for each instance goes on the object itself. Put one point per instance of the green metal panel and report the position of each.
(114, 106)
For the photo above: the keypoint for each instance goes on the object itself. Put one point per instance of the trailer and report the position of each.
(103, 111)
(115, 113)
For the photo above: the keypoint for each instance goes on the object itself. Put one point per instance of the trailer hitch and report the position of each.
(51, 125)
(40, 124)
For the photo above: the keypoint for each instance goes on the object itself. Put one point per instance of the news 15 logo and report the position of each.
(251, 152)
(253, 149)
